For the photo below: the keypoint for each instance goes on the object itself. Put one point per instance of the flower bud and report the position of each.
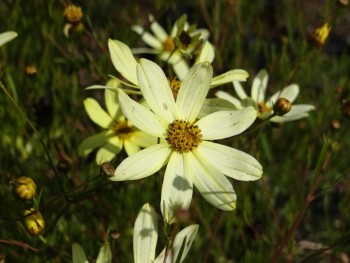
(63, 166)
(107, 169)
(34, 221)
(282, 106)
(321, 34)
(25, 188)
(30, 70)
(73, 14)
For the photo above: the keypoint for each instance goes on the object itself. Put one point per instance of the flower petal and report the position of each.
(239, 90)
(145, 235)
(148, 38)
(207, 53)
(104, 254)
(94, 141)
(213, 105)
(231, 162)
(224, 95)
(177, 186)
(259, 86)
(123, 60)
(141, 117)
(290, 93)
(183, 239)
(158, 30)
(112, 103)
(224, 124)
(131, 148)
(211, 183)
(109, 150)
(7, 36)
(229, 76)
(97, 114)
(143, 163)
(180, 68)
(156, 91)
(143, 139)
(193, 91)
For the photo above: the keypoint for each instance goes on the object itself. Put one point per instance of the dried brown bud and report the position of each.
(63, 166)
(107, 169)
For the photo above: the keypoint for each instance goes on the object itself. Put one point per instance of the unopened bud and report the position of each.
(282, 106)
(25, 188)
(34, 221)
(63, 166)
(30, 70)
(73, 14)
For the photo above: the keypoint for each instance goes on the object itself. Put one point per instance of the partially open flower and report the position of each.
(320, 35)
(282, 106)
(34, 221)
(25, 188)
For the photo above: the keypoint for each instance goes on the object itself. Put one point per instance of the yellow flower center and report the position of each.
(175, 86)
(122, 129)
(184, 136)
(73, 14)
(169, 44)
(263, 108)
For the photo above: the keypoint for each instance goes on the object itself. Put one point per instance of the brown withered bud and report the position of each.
(107, 169)
(63, 166)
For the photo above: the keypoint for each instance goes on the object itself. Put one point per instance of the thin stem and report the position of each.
(321, 165)
(20, 244)
(31, 124)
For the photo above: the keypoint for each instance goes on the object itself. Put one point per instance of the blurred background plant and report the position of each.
(298, 211)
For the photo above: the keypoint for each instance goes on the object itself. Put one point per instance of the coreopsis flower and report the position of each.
(186, 148)
(25, 188)
(7, 37)
(119, 132)
(125, 63)
(182, 41)
(34, 221)
(320, 35)
(266, 109)
(146, 235)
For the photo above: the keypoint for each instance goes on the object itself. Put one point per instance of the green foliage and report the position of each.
(80, 206)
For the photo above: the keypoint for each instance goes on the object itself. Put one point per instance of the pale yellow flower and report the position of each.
(185, 145)
(119, 132)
